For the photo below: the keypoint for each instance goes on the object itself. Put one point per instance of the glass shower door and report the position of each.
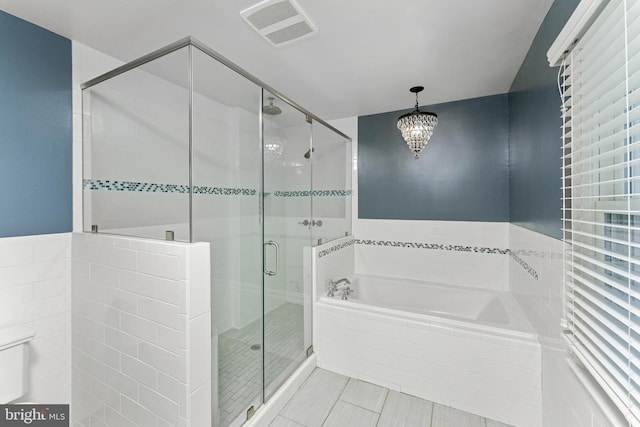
(287, 232)
(226, 175)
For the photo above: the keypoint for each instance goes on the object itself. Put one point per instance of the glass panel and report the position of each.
(287, 237)
(331, 185)
(226, 201)
(136, 150)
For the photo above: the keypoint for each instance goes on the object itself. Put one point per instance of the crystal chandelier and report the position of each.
(273, 148)
(417, 126)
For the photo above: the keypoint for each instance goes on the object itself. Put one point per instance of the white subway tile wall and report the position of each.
(469, 371)
(35, 288)
(565, 400)
(472, 254)
(141, 332)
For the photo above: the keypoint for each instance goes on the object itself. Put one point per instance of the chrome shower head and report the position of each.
(307, 155)
(271, 109)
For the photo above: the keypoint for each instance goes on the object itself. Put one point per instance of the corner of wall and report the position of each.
(536, 281)
(141, 332)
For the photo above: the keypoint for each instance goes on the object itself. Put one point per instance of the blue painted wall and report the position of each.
(534, 132)
(490, 159)
(462, 174)
(35, 129)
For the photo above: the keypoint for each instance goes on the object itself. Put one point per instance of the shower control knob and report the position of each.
(318, 222)
(305, 223)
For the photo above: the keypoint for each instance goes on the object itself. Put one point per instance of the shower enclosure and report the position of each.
(182, 144)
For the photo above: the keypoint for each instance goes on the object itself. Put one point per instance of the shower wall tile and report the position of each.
(35, 289)
(141, 355)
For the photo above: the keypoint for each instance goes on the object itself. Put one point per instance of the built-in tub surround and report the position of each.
(493, 375)
(141, 332)
(489, 365)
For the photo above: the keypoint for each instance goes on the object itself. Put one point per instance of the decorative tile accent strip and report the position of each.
(539, 254)
(219, 191)
(523, 263)
(146, 187)
(457, 248)
(164, 188)
(435, 246)
(336, 248)
(315, 193)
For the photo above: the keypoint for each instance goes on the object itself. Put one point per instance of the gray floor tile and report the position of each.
(491, 423)
(313, 402)
(363, 394)
(345, 414)
(284, 422)
(402, 410)
(444, 416)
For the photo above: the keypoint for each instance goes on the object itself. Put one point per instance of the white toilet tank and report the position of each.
(14, 362)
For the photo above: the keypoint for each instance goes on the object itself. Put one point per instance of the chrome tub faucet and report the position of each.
(339, 285)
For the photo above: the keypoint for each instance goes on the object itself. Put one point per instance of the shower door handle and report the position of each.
(274, 244)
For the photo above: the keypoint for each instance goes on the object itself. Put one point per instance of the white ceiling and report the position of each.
(366, 56)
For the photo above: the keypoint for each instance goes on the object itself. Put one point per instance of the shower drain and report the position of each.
(255, 347)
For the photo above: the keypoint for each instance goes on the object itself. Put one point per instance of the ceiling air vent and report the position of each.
(279, 21)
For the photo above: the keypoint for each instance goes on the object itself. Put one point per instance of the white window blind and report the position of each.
(600, 85)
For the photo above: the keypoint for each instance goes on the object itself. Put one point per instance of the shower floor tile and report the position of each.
(240, 358)
(328, 399)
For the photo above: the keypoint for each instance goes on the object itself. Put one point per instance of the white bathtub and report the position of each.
(462, 347)
(471, 308)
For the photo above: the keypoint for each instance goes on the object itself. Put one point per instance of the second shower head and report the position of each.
(271, 109)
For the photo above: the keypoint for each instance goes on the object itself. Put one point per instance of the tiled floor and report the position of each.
(328, 399)
(240, 358)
